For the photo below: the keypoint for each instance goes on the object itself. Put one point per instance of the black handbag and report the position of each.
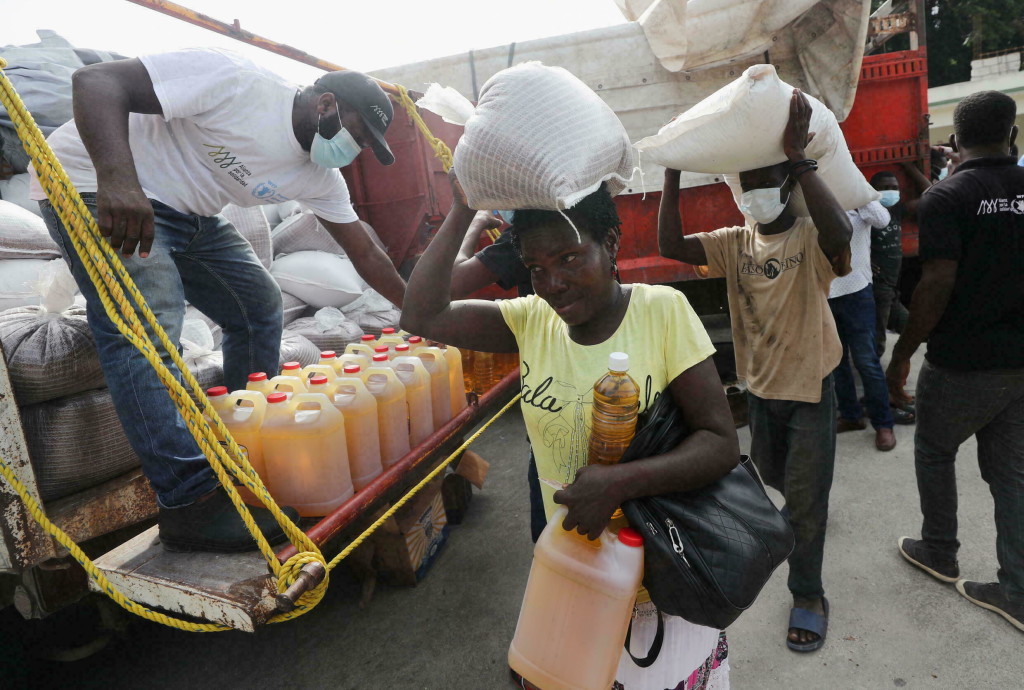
(707, 552)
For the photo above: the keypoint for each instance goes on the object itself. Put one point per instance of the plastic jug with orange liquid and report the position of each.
(291, 384)
(577, 608)
(440, 395)
(614, 414)
(311, 370)
(364, 347)
(484, 376)
(242, 413)
(392, 410)
(259, 382)
(389, 338)
(291, 369)
(305, 453)
(415, 342)
(330, 358)
(453, 357)
(362, 435)
(416, 379)
(467, 371)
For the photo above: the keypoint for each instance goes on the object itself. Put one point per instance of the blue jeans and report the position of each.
(205, 261)
(793, 445)
(952, 406)
(855, 320)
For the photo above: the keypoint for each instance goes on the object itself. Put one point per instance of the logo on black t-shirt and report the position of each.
(990, 206)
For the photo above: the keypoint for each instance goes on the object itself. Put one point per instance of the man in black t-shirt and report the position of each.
(886, 254)
(969, 305)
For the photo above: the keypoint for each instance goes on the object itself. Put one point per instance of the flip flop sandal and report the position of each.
(802, 619)
(904, 415)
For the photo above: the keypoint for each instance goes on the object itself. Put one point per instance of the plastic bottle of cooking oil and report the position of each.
(293, 383)
(577, 607)
(364, 347)
(390, 338)
(613, 418)
(392, 410)
(453, 357)
(259, 382)
(242, 413)
(483, 371)
(467, 370)
(416, 379)
(362, 435)
(305, 453)
(440, 396)
(330, 358)
(415, 343)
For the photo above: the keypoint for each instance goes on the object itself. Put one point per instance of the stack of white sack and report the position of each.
(538, 138)
(26, 249)
(328, 329)
(740, 127)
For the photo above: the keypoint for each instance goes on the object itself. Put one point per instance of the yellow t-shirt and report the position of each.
(662, 336)
(782, 328)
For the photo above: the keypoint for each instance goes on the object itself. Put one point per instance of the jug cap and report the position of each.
(277, 397)
(258, 376)
(380, 348)
(630, 537)
(618, 361)
(380, 358)
(351, 369)
(291, 366)
(318, 380)
(387, 331)
(216, 391)
(328, 354)
(415, 339)
(404, 347)
(366, 337)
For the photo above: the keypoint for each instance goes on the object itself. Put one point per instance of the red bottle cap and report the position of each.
(290, 366)
(328, 354)
(216, 391)
(352, 368)
(277, 397)
(387, 331)
(380, 358)
(630, 537)
(415, 340)
(258, 376)
(366, 337)
(318, 380)
(402, 348)
(381, 348)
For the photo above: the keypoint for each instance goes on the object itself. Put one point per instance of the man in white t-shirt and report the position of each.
(853, 306)
(159, 145)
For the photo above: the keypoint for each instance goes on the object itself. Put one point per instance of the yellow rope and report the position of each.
(441, 150)
(117, 292)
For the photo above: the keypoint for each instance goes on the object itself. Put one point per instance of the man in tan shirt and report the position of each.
(778, 274)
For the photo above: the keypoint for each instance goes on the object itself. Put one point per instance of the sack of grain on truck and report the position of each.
(540, 138)
(740, 127)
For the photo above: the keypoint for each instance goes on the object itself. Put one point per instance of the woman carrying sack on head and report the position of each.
(564, 334)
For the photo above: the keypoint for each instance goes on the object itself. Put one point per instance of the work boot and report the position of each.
(917, 552)
(212, 523)
(843, 425)
(885, 439)
(990, 596)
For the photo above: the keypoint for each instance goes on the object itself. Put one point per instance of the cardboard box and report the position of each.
(409, 543)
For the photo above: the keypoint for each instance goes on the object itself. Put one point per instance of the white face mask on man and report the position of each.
(764, 205)
(336, 152)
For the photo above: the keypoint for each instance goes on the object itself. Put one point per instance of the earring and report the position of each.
(615, 269)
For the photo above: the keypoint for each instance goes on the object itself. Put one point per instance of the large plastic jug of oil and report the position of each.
(577, 607)
(614, 414)
(291, 369)
(467, 371)
(364, 347)
(242, 413)
(416, 379)
(440, 395)
(362, 434)
(392, 410)
(453, 357)
(305, 453)
(289, 384)
(311, 370)
(259, 382)
(389, 338)
(415, 343)
(484, 372)
(330, 358)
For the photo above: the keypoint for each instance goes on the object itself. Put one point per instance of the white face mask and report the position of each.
(890, 197)
(336, 152)
(764, 205)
